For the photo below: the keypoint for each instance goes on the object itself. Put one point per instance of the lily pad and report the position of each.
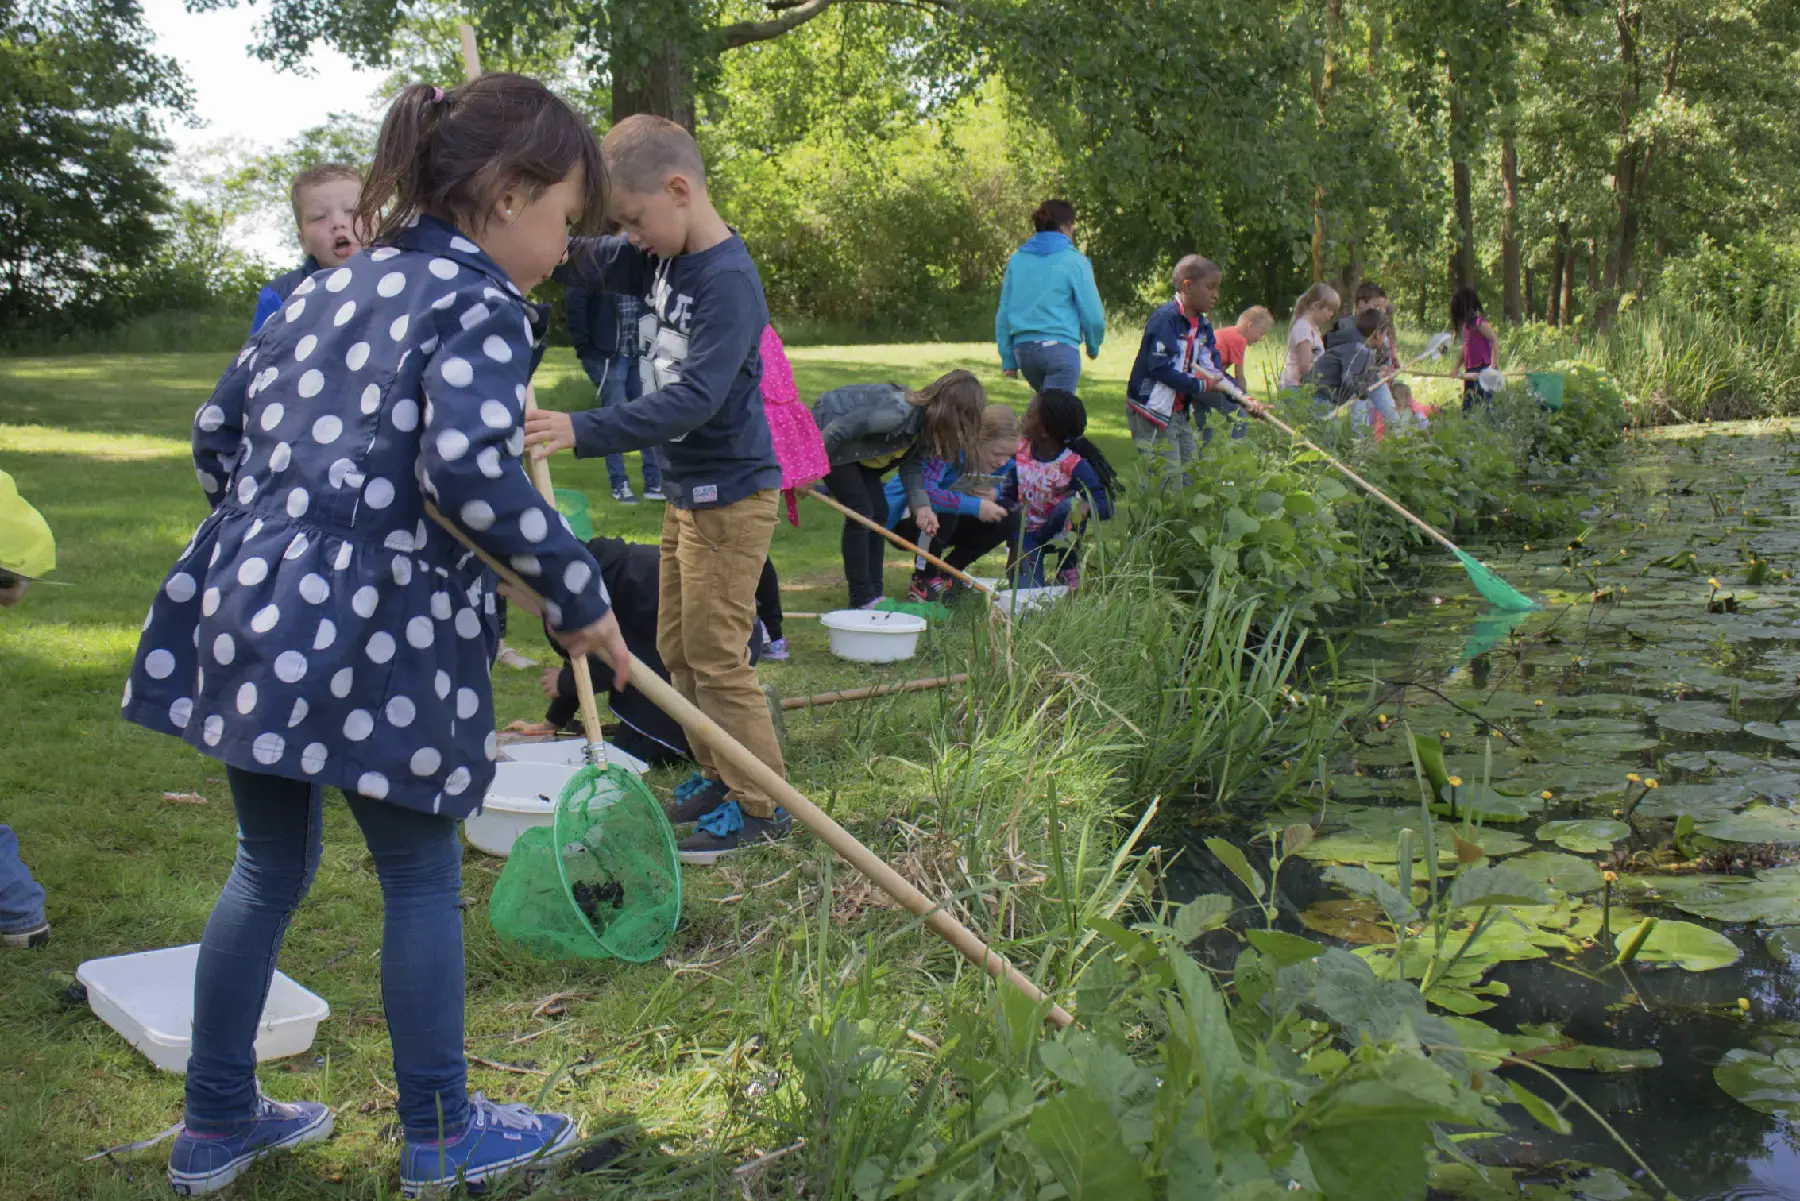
(1353, 921)
(1564, 873)
(1586, 834)
(1764, 823)
(1784, 943)
(1689, 946)
(1787, 731)
(1771, 897)
(1702, 802)
(1766, 1083)
(1728, 761)
(1549, 1046)
(1691, 719)
(1489, 805)
(1612, 744)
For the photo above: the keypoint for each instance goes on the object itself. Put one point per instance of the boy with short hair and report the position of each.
(1235, 341)
(1177, 370)
(324, 200)
(702, 369)
(1347, 371)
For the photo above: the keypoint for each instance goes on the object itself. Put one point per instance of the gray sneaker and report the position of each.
(623, 495)
(655, 493)
(37, 936)
(727, 830)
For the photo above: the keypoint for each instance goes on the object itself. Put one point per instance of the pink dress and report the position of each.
(1478, 352)
(798, 447)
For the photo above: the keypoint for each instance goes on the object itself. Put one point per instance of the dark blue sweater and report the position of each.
(701, 367)
(275, 293)
(1175, 349)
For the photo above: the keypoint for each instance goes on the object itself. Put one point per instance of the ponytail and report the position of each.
(1064, 418)
(1314, 297)
(451, 154)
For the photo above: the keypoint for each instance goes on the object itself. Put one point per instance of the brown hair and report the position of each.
(953, 407)
(315, 175)
(642, 151)
(452, 153)
(1193, 266)
(1052, 215)
(1367, 291)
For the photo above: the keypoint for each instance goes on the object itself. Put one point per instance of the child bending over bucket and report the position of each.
(871, 429)
(970, 523)
(320, 628)
(1055, 477)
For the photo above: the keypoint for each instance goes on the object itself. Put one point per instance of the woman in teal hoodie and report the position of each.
(1049, 305)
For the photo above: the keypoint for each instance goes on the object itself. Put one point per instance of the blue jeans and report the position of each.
(419, 861)
(1381, 400)
(21, 897)
(1048, 365)
(618, 382)
(1035, 544)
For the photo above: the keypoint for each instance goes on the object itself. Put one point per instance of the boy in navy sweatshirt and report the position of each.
(701, 370)
(1177, 370)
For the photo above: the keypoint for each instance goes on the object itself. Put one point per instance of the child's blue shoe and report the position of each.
(200, 1164)
(695, 797)
(499, 1139)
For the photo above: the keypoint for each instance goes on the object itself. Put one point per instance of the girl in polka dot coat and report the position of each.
(321, 629)
(319, 626)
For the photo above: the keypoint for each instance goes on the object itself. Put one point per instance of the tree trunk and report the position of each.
(1559, 265)
(1318, 234)
(651, 73)
(1509, 227)
(1462, 259)
(1351, 277)
(1627, 22)
(1531, 308)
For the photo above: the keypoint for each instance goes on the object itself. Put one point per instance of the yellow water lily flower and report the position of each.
(1634, 777)
(1713, 582)
(1651, 783)
(1546, 794)
(1456, 781)
(1610, 877)
(1744, 1004)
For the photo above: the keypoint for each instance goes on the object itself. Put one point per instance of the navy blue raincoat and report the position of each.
(319, 626)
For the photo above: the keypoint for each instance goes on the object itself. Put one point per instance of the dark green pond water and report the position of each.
(1664, 650)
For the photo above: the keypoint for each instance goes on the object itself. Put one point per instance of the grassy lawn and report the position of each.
(100, 445)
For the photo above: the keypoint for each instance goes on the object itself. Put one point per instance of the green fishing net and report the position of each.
(601, 881)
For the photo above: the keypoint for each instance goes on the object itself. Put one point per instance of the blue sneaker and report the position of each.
(499, 1139)
(695, 797)
(200, 1164)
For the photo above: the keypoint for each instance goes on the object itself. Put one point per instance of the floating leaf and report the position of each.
(1494, 884)
(1766, 1083)
(1490, 805)
(1539, 1108)
(1783, 943)
(1692, 718)
(1296, 836)
(1764, 823)
(1787, 731)
(1772, 896)
(1549, 1046)
(1358, 921)
(1612, 744)
(1565, 873)
(1688, 945)
(1702, 802)
(1394, 904)
(1587, 834)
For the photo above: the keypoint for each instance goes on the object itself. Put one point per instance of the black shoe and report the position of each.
(728, 829)
(695, 797)
(37, 936)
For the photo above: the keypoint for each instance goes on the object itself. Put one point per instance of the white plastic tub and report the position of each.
(872, 636)
(1023, 600)
(569, 752)
(149, 998)
(522, 795)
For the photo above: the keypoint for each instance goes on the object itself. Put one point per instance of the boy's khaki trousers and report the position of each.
(711, 560)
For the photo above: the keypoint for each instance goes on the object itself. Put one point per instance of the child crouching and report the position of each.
(1055, 477)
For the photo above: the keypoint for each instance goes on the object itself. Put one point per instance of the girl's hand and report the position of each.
(1013, 374)
(990, 512)
(549, 680)
(604, 639)
(927, 522)
(550, 430)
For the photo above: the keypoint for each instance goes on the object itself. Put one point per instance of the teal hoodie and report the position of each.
(1048, 295)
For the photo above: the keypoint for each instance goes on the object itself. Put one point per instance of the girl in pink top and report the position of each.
(1478, 342)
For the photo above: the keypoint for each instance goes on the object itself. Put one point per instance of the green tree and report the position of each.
(80, 95)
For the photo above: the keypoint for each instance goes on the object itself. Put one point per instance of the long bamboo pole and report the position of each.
(819, 699)
(900, 542)
(701, 728)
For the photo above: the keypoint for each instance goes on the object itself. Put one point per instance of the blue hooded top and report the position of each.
(1048, 295)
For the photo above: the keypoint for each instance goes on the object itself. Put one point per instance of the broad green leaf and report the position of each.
(1783, 944)
(1761, 823)
(1240, 867)
(1494, 884)
(1282, 947)
(1294, 837)
(1771, 897)
(1766, 1083)
(1377, 1162)
(1564, 873)
(1363, 883)
(1201, 914)
(1584, 835)
(1239, 524)
(1539, 1108)
(1431, 761)
(1687, 945)
(1080, 1140)
(1547, 1046)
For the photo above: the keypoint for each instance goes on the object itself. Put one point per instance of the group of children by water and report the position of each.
(323, 627)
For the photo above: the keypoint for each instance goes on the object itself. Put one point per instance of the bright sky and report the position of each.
(239, 96)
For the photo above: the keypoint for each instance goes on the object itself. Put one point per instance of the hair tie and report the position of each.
(437, 95)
